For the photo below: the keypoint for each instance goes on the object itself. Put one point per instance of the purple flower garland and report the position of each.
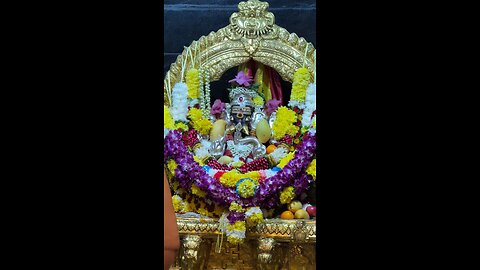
(188, 172)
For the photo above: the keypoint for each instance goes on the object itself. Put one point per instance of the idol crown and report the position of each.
(253, 8)
(242, 96)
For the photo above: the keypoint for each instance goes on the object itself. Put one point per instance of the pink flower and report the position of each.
(242, 79)
(217, 107)
(272, 105)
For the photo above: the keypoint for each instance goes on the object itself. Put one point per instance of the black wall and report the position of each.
(188, 20)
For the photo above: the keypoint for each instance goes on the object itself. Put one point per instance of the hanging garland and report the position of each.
(237, 190)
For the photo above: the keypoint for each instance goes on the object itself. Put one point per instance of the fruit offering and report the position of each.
(287, 215)
(294, 206)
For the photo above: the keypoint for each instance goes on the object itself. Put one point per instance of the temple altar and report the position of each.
(241, 170)
(275, 244)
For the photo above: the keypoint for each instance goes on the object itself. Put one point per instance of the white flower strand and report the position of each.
(207, 94)
(202, 97)
(310, 105)
(179, 106)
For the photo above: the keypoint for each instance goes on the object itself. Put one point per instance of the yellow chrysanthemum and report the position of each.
(235, 207)
(204, 212)
(258, 100)
(284, 161)
(197, 191)
(284, 123)
(312, 169)
(254, 219)
(314, 123)
(195, 114)
(200, 124)
(198, 160)
(230, 178)
(301, 80)
(182, 126)
(238, 225)
(203, 126)
(254, 175)
(246, 188)
(234, 240)
(167, 118)
(178, 204)
(171, 165)
(193, 83)
(287, 195)
(186, 208)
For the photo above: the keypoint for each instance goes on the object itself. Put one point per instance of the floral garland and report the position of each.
(179, 98)
(199, 122)
(188, 172)
(210, 191)
(193, 83)
(284, 123)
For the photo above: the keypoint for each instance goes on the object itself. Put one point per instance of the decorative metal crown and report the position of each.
(252, 20)
(253, 8)
(241, 96)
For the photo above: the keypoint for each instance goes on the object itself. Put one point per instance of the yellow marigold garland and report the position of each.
(235, 207)
(203, 211)
(287, 195)
(167, 118)
(203, 126)
(230, 178)
(193, 83)
(198, 160)
(238, 226)
(182, 126)
(195, 114)
(284, 161)
(178, 204)
(171, 165)
(197, 191)
(284, 123)
(246, 188)
(254, 175)
(198, 122)
(254, 216)
(312, 169)
(301, 80)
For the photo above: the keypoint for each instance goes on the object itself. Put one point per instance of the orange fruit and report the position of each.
(271, 148)
(287, 215)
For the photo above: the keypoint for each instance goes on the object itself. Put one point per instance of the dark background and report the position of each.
(188, 20)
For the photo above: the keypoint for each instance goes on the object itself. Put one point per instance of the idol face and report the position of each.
(241, 114)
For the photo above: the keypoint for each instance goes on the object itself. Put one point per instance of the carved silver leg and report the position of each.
(265, 246)
(191, 246)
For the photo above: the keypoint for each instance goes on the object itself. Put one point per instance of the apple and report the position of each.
(312, 211)
(294, 206)
(304, 207)
(301, 214)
